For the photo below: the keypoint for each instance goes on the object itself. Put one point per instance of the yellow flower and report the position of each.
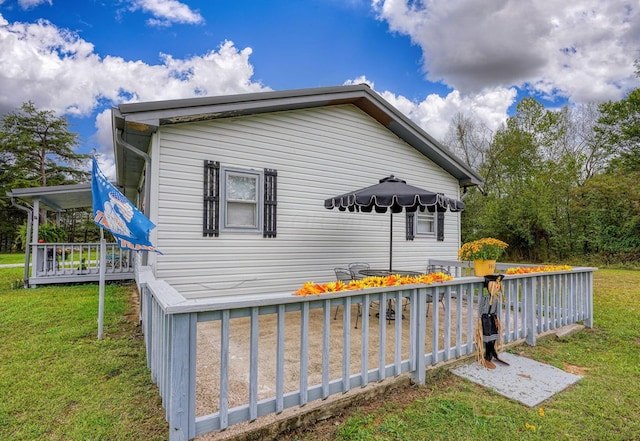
(312, 288)
(541, 411)
(482, 249)
(537, 269)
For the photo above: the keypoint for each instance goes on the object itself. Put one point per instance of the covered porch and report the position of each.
(65, 262)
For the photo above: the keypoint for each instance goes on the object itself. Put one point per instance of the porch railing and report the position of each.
(70, 262)
(193, 345)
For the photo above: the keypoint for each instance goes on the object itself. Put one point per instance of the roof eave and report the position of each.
(140, 120)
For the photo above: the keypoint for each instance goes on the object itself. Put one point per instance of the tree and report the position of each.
(619, 128)
(527, 176)
(468, 139)
(40, 148)
(37, 149)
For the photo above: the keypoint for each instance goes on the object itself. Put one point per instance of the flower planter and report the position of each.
(484, 267)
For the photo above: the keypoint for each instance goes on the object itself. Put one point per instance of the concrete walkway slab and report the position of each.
(525, 380)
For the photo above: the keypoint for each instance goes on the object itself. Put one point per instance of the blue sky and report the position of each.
(431, 59)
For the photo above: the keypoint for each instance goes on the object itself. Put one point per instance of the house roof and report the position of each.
(135, 123)
(56, 197)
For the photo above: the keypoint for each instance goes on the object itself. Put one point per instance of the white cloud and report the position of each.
(28, 4)
(167, 12)
(58, 70)
(434, 113)
(583, 51)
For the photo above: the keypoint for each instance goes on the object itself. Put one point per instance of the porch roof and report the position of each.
(57, 197)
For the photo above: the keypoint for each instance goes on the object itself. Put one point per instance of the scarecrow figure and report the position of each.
(488, 337)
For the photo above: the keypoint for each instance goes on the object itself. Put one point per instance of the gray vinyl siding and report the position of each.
(318, 153)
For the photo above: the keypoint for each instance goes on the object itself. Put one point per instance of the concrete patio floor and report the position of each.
(209, 342)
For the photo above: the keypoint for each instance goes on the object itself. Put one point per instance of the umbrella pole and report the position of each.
(391, 243)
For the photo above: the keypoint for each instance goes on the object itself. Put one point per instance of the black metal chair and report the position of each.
(355, 269)
(437, 269)
(345, 275)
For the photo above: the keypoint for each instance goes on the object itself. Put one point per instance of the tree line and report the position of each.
(558, 185)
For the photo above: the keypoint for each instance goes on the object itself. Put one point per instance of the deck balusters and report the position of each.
(533, 303)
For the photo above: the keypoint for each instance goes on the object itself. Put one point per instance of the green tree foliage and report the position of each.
(38, 148)
(619, 129)
(527, 176)
(558, 184)
(609, 203)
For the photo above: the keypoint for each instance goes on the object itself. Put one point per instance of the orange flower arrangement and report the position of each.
(312, 288)
(538, 269)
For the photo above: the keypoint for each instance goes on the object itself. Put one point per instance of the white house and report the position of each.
(236, 186)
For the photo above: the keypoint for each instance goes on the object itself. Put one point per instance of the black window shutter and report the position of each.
(440, 226)
(410, 223)
(270, 202)
(210, 223)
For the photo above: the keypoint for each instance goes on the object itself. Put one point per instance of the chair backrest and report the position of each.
(343, 274)
(438, 269)
(355, 268)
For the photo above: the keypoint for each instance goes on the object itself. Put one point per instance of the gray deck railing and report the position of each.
(77, 262)
(193, 345)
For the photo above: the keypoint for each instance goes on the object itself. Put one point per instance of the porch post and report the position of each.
(530, 318)
(182, 378)
(588, 322)
(37, 258)
(418, 322)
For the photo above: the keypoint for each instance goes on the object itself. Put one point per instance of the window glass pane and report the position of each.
(425, 224)
(241, 214)
(242, 188)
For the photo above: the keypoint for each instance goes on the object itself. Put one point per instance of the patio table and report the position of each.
(386, 272)
(391, 313)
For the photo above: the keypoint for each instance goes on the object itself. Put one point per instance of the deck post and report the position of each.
(588, 321)
(530, 309)
(180, 394)
(418, 321)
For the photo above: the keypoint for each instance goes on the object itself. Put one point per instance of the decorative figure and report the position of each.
(488, 337)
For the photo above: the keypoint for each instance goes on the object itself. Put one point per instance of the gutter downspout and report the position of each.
(27, 248)
(147, 176)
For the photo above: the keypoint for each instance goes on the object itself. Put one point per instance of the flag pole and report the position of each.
(103, 269)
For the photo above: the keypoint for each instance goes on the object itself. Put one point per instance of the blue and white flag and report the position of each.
(116, 214)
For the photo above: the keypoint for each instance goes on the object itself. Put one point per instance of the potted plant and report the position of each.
(484, 253)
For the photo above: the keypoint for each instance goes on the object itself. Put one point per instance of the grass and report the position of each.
(58, 382)
(603, 405)
(6, 258)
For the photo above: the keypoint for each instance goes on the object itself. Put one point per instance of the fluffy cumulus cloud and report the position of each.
(434, 113)
(582, 51)
(166, 12)
(58, 70)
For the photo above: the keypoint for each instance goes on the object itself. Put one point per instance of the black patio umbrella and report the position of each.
(396, 195)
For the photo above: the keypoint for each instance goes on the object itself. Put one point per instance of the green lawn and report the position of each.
(6, 258)
(58, 382)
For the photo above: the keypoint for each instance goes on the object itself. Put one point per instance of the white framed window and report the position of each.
(425, 224)
(241, 200)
